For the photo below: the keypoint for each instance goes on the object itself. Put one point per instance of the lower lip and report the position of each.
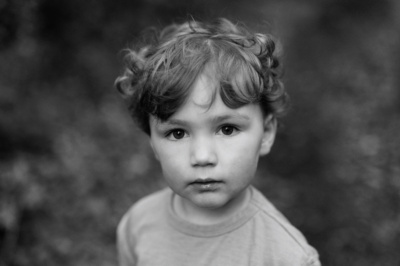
(207, 186)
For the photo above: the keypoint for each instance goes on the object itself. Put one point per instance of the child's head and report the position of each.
(159, 77)
(207, 95)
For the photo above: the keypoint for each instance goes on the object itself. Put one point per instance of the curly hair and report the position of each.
(158, 77)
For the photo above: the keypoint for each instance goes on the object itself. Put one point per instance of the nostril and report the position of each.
(203, 164)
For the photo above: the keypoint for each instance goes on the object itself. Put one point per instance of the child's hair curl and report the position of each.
(158, 78)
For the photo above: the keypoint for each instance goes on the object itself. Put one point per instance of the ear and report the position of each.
(154, 150)
(270, 127)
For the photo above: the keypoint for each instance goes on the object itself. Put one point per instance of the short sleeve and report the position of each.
(125, 246)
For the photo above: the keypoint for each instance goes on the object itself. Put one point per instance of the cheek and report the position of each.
(172, 171)
(244, 163)
(243, 156)
(168, 161)
(248, 145)
(171, 158)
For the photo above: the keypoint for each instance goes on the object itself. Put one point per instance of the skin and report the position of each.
(209, 154)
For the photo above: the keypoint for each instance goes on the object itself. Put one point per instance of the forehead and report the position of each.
(204, 105)
(204, 91)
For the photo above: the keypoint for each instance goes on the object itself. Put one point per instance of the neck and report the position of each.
(206, 216)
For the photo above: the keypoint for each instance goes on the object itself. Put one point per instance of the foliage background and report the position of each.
(72, 162)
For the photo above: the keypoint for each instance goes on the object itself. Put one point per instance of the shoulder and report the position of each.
(133, 221)
(152, 200)
(145, 209)
(276, 220)
(281, 232)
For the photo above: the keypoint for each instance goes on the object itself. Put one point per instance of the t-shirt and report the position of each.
(150, 233)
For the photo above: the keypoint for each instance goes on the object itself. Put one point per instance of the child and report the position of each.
(208, 96)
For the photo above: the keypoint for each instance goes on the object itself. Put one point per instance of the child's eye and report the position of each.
(176, 134)
(228, 130)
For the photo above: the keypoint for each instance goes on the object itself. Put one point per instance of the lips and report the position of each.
(205, 185)
(204, 181)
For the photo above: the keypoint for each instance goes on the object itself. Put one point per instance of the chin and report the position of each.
(211, 202)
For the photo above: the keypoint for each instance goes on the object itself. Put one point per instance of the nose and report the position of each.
(203, 152)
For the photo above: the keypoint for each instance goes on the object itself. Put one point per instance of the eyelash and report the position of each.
(234, 129)
(170, 133)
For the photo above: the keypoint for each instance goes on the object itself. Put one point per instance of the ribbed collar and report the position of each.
(212, 230)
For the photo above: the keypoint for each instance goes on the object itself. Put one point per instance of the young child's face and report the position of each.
(209, 154)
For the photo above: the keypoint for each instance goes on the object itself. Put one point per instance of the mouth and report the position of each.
(205, 181)
(206, 185)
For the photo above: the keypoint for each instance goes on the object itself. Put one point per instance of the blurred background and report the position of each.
(72, 161)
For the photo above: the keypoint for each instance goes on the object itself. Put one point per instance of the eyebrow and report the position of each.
(222, 118)
(216, 119)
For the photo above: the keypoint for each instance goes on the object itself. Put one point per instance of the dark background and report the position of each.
(72, 162)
